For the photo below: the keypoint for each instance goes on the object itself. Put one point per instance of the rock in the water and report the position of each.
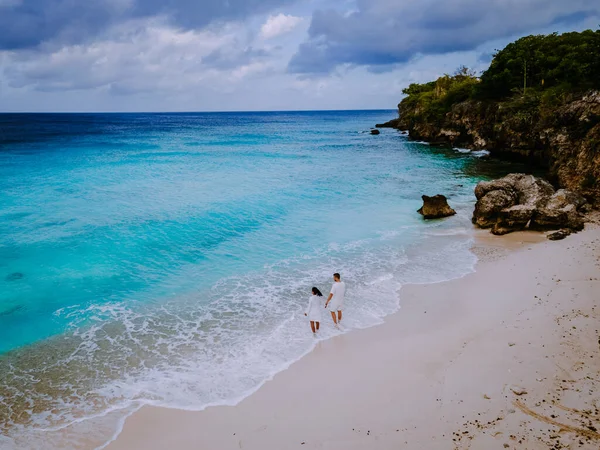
(435, 207)
(558, 235)
(375, 131)
(519, 201)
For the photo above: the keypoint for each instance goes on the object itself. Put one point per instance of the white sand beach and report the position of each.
(506, 357)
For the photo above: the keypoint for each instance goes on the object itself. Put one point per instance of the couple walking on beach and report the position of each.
(334, 303)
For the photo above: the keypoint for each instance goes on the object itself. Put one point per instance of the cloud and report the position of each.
(278, 25)
(485, 57)
(29, 23)
(226, 54)
(233, 56)
(141, 56)
(382, 33)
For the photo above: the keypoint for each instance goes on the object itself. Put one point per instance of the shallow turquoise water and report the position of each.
(166, 258)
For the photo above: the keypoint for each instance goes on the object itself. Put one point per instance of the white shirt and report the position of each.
(313, 310)
(338, 290)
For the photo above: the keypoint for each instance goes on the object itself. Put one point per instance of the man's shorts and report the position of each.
(334, 306)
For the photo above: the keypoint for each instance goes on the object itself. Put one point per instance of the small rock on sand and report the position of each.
(558, 235)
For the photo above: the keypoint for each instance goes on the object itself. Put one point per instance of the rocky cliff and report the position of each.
(564, 140)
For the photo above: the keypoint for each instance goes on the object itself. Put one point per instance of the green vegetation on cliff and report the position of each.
(431, 101)
(556, 62)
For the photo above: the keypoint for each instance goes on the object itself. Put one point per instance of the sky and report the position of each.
(253, 55)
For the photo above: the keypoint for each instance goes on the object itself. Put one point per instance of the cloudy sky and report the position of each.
(224, 55)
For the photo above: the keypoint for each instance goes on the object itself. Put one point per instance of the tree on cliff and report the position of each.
(557, 63)
(569, 61)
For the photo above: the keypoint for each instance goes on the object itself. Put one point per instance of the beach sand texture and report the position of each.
(507, 357)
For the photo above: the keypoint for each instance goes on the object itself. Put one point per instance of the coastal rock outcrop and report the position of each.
(519, 201)
(375, 131)
(565, 142)
(435, 207)
(389, 124)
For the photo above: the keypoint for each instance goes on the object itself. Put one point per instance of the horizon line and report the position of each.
(197, 112)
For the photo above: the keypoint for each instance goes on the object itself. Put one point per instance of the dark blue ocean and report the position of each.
(167, 258)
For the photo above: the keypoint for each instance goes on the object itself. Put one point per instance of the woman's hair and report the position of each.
(316, 292)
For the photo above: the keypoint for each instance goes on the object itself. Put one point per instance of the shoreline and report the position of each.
(263, 420)
(519, 239)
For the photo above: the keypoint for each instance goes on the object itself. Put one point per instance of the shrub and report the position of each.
(544, 62)
(431, 101)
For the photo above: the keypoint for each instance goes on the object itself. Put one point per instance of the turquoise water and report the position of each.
(167, 258)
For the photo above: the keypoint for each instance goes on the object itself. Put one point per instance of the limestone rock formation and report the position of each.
(435, 207)
(519, 201)
(564, 142)
(390, 124)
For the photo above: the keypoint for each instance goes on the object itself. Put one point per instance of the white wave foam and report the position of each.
(443, 231)
(480, 153)
(476, 153)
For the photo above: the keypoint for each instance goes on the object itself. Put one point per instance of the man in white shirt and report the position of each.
(335, 301)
